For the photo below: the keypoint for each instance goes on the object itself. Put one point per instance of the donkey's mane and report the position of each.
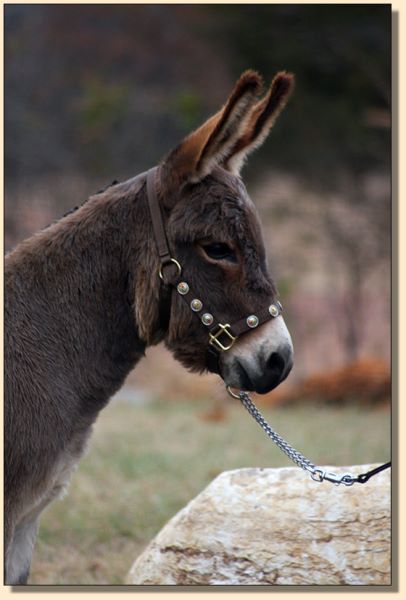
(75, 208)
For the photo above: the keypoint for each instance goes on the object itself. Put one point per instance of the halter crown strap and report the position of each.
(156, 217)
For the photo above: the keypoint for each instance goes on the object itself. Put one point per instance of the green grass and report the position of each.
(145, 463)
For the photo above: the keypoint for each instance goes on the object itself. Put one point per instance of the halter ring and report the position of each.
(171, 260)
(231, 393)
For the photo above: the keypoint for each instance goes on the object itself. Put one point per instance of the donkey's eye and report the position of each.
(220, 251)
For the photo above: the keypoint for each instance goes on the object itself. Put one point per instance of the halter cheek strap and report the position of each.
(157, 222)
(221, 336)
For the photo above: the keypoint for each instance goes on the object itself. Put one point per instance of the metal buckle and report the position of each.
(168, 263)
(214, 341)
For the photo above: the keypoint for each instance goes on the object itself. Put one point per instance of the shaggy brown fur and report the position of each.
(83, 300)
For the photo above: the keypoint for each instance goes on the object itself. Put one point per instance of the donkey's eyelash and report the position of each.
(219, 251)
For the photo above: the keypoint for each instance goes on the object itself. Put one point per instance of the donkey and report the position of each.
(83, 300)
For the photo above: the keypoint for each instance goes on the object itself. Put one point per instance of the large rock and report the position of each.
(275, 526)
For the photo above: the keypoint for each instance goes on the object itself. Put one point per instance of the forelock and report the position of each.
(215, 205)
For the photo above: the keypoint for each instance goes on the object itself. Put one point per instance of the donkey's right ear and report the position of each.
(261, 120)
(207, 146)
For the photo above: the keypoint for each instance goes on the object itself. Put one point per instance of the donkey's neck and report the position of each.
(80, 276)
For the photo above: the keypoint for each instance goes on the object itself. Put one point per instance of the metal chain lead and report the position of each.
(293, 454)
(304, 463)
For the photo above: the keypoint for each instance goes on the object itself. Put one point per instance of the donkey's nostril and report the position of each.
(281, 362)
(276, 363)
(277, 368)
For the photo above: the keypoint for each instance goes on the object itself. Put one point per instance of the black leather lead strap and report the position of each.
(365, 476)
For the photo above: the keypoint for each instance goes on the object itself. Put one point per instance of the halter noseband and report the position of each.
(221, 336)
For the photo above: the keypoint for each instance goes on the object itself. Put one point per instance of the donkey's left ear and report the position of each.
(208, 145)
(260, 121)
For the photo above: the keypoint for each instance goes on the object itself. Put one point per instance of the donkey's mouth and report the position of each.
(245, 382)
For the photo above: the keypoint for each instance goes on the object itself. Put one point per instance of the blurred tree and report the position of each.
(355, 248)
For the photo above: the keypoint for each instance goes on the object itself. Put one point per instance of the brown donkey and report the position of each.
(83, 300)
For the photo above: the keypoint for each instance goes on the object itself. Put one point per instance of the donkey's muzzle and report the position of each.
(274, 369)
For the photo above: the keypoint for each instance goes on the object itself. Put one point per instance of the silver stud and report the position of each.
(274, 310)
(252, 321)
(196, 305)
(207, 319)
(183, 288)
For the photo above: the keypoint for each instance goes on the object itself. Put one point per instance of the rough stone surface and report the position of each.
(275, 527)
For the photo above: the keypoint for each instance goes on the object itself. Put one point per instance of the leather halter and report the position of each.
(221, 336)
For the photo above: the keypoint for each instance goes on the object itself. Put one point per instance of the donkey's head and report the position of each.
(214, 233)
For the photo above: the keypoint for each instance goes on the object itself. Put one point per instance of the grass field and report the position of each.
(146, 462)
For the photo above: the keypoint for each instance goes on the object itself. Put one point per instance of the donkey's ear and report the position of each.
(208, 145)
(260, 121)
